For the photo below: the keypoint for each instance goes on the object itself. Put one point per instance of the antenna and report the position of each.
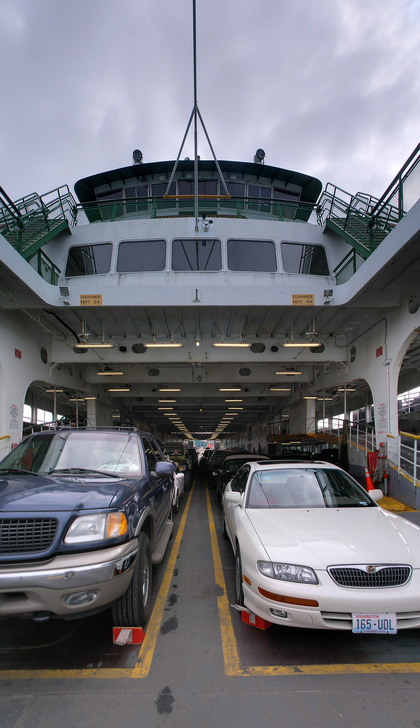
(195, 114)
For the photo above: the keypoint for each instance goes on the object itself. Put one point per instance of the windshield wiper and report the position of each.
(18, 470)
(76, 471)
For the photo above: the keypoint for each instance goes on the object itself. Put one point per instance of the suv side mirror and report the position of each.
(164, 469)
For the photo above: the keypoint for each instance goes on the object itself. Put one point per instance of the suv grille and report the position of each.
(358, 576)
(26, 535)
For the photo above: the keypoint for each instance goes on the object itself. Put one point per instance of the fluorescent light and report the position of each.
(54, 390)
(106, 373)
(288, 372)
(167, 401)
(235, 400)
(76, 399)
(164, 345)
(280, 389)
(223, 344)
(235, 408)
(301, 344)
(167, 389)
(230, 389)
(101, 345)
(119, 389)
(311, 397)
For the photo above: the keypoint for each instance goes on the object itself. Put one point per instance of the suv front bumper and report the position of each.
(67, 585)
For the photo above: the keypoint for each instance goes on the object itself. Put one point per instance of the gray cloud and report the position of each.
(330, 88)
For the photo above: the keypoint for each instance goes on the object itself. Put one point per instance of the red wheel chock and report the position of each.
(127, 635)
(252, 619)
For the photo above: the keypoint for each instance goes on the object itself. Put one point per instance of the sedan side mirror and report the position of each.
(376, 494)
(233, 497)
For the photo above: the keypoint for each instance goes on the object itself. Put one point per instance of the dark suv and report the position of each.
(83, 515)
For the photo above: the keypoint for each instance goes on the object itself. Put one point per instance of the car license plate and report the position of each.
(375, 623)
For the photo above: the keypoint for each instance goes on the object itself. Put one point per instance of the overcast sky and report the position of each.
(327, 87)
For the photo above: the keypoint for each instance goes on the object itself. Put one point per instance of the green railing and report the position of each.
(238, 207)
(30, 222)
(404, 189)
(363, 220)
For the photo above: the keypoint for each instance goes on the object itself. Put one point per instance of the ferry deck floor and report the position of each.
(199, 665)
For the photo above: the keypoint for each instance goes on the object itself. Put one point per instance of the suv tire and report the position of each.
(132, 609)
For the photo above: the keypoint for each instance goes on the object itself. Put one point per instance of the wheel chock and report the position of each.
(252, 619)
(127, 635)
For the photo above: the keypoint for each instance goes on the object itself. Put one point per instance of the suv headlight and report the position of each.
(288, 572)
(97, 527)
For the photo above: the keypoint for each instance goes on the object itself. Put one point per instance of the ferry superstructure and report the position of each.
(238, 303)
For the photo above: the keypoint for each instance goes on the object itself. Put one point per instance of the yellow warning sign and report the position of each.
(91, 299)
(303, 299)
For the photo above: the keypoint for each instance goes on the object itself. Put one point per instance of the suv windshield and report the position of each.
(50, 452)
(306, 488)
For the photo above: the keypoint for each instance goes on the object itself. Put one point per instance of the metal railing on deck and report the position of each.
(409, 456)
(238, 207)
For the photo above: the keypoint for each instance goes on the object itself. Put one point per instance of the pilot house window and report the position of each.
(251, 255)
(304, 258)
(196, 255)
(141, 255)
(87, 260)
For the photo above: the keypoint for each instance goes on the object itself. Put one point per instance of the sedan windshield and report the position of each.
(305, 488)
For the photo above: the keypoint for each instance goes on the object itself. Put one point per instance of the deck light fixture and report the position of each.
(93, 345)
(301, 344)
(288, 372)
(226, 345)
(164, 345)
(107, 372)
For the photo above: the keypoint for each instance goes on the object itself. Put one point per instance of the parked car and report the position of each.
(313, 549)
(177, 453)
(229, 466)
(216, 461)
(83, 515)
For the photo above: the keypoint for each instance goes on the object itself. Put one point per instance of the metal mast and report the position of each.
(195, 114)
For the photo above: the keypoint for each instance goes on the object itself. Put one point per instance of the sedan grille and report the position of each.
(26, 535)
(361, 576)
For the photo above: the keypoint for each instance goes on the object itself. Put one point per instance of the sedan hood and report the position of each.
(31, 493)
(324, 537)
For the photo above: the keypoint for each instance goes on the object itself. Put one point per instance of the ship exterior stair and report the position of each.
(31, 222)
(350, 216)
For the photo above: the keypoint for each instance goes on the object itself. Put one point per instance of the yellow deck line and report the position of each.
(229, 644)
(233, 666)
(145, 656)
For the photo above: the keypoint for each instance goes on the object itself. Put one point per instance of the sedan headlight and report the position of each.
(288, 572)
(97, 527)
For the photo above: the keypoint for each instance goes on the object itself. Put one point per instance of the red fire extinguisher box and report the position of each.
(372, 458)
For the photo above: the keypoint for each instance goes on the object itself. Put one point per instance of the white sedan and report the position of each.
(313, 549)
